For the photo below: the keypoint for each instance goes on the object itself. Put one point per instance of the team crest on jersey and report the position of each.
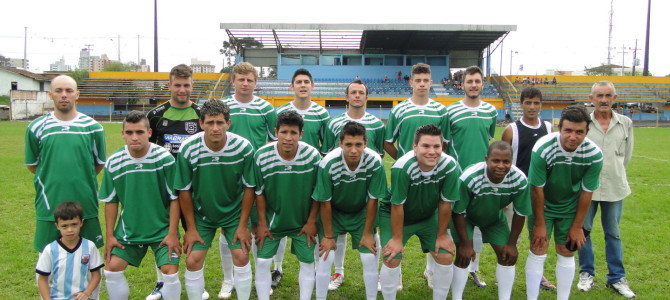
(494, 189)
(215, 159)
(421, 111)
(474, 113)
(85, 258)
(191, 127)
(288, 168)
(243, 109)
(568, 159)
(66, 128)
(138, 166)
(165, 123)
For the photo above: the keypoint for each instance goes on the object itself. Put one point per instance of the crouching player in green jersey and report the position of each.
(285, 173)
(215, 180)
(486, 188)
(564, 171)
(139, 176)
(350, 179)
(424, 183)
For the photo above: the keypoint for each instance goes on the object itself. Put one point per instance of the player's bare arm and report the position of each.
(309, 229)
(92, 284)
(368, 239)
(394, 245)
(507, 135)
(191, 236)
(171, 240)
(111, 212)
(328, 240)
(262, 230)
(443, 241)
(465, 251)
(242, 233)
(576, 234)
(32, 169)
(98, 168)
(391, 150)
(510, 253)
(538, 242)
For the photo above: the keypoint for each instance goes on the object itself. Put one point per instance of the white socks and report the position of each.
(263, 278)
(534, 271)
(477, 245)
(443, 274)
(370, 275)
(430, 262)
(194, 283)
(306, 280)
(172, 287)
(565, 273)
(339, 253)
(159, 274)
(378, 243)
(242, 281)
(389, 281)
(117, 286)
(505, 276)
(460, 278)
(279, 256)
(226, 259)
(323, 275)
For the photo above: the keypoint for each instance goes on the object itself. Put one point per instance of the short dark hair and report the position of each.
(499, 145)
(353, 128)
(471, 70)
(575, 113)
(214, 107)
(302, 71)
(135, 117)
(356, 81)
(420, 68)
(428, 129)
(291, 118)
(182, 71)
(68, 210)
(529, 93)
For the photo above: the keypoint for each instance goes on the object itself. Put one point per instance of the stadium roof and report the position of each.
(370, 37)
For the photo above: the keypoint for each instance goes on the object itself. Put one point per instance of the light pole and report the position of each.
(511, 55)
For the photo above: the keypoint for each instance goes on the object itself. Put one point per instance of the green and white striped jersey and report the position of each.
(420, 192)
(482, 201)
(349, 191)
(255, 121)
(143, 186)
(315, 122)
(216, 179)
(469, 130)
(374, 129)
(287, 185)
(564, 174)
(65, 153)
(407, 117)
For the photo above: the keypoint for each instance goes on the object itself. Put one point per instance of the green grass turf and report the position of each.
(643, 230)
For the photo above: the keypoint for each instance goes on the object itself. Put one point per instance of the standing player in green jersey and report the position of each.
(254, 119)
(424, 183)
(215, 180)
(564, 171)
(65, 150)
(357, 97)
(350, 180)
(175, 120)
(413, 113)
(139, 176)
(486, 188)
(285, 177)
(471, 124)
(315, 123)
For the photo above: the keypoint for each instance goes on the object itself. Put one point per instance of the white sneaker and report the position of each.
(205, 295)
(335, 281)
(623, 288)
(226, 289)
(156, 293)
(585, 282)
(429, 278)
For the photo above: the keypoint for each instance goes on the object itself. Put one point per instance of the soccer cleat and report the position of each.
(585, 282)
(429, 278)
(156, 293)
(476, 280)
(335, 281)
(623, 288)
(276, 278)
(205, 295)
(226, 290)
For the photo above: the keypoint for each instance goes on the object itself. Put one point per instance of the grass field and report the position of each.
(644, 230)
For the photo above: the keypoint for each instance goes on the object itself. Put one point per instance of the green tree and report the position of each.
(78, 75)
(117, 66)
(233, 47)
(602, 70)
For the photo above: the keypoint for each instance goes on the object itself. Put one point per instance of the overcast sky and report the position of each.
(561, 35)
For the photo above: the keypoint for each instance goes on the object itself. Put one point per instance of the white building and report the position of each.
(59, 65)
(19, 63)
(25, 81)
(202, 66)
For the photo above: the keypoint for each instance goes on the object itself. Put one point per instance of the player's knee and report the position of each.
(563, 251)
(444, 258)
(239, 258)
(393, 263)
(169, 269)
(116, 264)
(195, 261)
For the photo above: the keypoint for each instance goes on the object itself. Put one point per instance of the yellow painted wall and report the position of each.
(152, 75)
(594, 79)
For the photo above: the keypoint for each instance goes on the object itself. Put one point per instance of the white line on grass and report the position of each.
(651, 158)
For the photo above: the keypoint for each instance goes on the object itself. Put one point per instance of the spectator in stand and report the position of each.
(553, 81)
(386, 78)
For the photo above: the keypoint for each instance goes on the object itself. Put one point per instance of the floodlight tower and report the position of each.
(609, 39)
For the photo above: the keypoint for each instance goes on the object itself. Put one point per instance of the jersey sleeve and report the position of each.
(591, 179)
(522, 205)
(322, 132)
(465, 196)
(399, 186)
(492, 127)
(169, 169)
(248, 176)
(100, 146)
(537, 172)
(153, 124)
(107, 191)
(258, 176)
(446, 127)
(95, 261)
(183, 178)
(379, 140)
(32, 148)
(323, 191)
(391, 134)
(271, 123)
(328, 139)
(451, 186)
(45, 262)
(377, 188)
